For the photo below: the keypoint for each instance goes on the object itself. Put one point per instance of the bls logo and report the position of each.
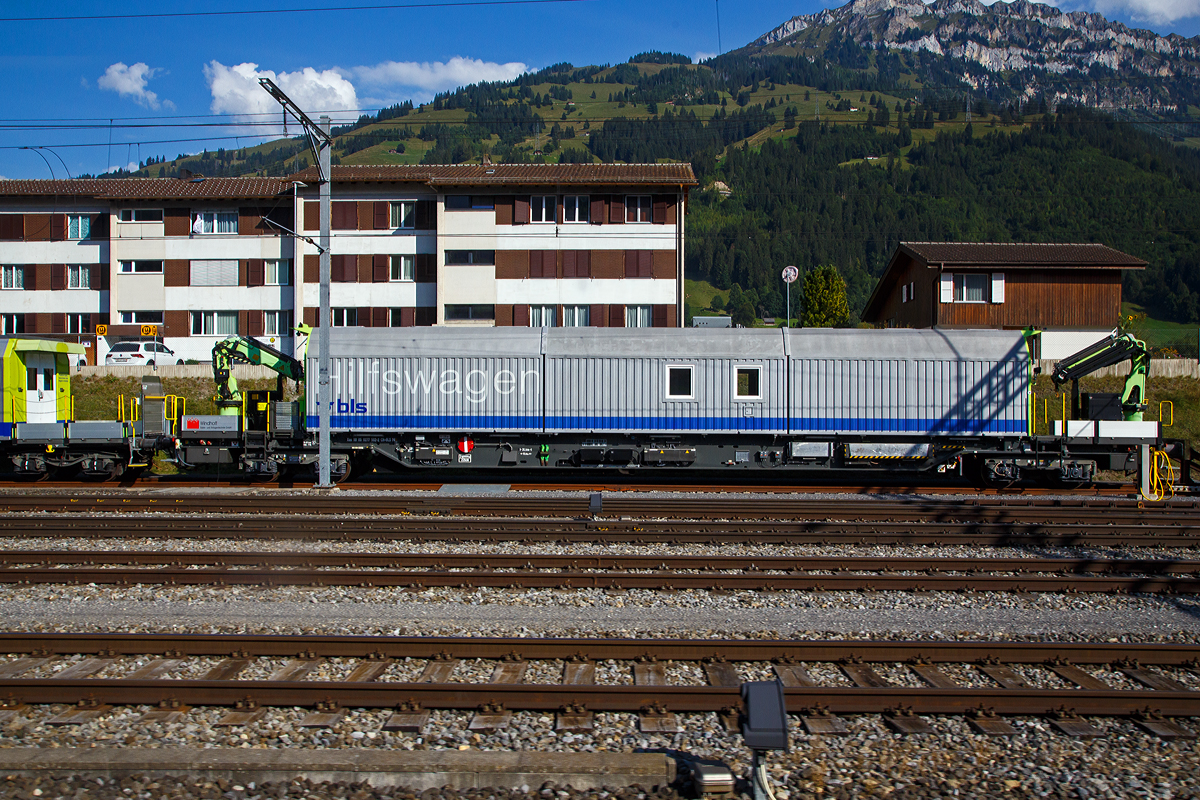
(351, 407)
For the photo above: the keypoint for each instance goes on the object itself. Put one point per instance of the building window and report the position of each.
(214, 273)
(215, 222)
(395, 318)
(12, 323)
(462, 202)
(144, 267)
(214, 323)
(459, 257)
(679, 383)
(14, 276)
(277, 323)
(906, 293)
(749, 383)
(79, 276)
(576, 207)
(541, 316)
(279, 272)
(79, 323)
(343, 317)
(639, 208)
(79, 226)
(637, 316)
(141, 317)
(970, 287)
(577, 316)
(403, 268)
(140, 215)
(542, 208)
(462, 312)
(404, 214)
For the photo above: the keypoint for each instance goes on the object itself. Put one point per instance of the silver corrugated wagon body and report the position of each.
(431, 379)
(935, 382)
(665, 380)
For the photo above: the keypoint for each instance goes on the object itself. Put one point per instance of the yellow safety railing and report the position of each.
(173, 405)
(1171, 407)
(120, 408)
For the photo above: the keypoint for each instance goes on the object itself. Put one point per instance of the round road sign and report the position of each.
(790, 274)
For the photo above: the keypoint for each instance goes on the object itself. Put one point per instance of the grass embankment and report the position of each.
(97, 396)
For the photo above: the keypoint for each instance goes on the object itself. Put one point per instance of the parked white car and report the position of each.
(141, 354)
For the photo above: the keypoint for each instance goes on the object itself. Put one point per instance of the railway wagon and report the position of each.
(633, 398)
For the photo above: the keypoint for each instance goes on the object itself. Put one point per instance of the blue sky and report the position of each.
(67, 78)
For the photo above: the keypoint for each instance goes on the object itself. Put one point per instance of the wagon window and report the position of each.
(679, 383)
(748, 383)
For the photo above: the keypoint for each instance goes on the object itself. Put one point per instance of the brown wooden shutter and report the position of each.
(645, 264)
(596, 217)
(256, 272)
(631, 263)
(97, 273)
(312, 215)
(364, 217)
(568, 263)
(256, 323)
(660, 209)
(408, 316)
(379, 317)
(176, 323)
(243, 322)
(520, 316)
(249, 221)
(380, 272)
(658, 316)
(37, 229)
(12, 227)
(662, 264)
(344, 269)
(176, 272)
(58, 277)
(365, 269)
(520, 210)
(616, 209)
(312, 269)
(364, 317)
(535, 263)
(381, 215)
(58, 230)
(426, 215)
(504, 315)
(426, 268)
(58, 323)
(504, 206)
(243, 273)
(512, 264)
(344, 215)
(583, 264)
(30, 282)
(310, 317)
(616, 316)
(43, 276)
(99, 228)
(607, 264)
(177, 221)
(598, 316)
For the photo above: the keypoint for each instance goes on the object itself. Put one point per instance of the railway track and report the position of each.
(576, 678)
(739, 573)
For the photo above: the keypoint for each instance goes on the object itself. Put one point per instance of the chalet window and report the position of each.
(12, 323)
(637, 316)
(79, 276)
(541, 316)
(997, 287)
(404, 214)
(142, 267)
(679, 383)
(542, 208)
(277, 323)
(140, 317)
(215, 222)
(279, 272)
(457, 257)
(461, 312)
(79, 323)
(214, 323)
(343, 317)
(402, 268)
(577, 316)
(79, 226)
(970, 287)
(749, 383)
(639, 208)
(140, 215)
(14, 276)
(576, 208)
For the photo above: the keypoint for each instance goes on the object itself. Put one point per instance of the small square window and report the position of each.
(679, 383)
(749, 383)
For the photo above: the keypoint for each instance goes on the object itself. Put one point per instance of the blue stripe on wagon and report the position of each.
(880, 425)
(427, 421)
(598, 423)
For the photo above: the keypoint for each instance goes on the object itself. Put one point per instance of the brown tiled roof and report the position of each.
(1020, 255)
(509, 174)
(148, 188)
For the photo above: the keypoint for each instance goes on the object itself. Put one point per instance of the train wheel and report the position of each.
(360, 467)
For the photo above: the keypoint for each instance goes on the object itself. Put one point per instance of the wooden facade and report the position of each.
(1048, 287)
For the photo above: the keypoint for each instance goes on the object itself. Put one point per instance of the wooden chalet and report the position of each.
(984, 285)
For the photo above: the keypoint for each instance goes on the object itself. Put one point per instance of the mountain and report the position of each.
(1007, 50)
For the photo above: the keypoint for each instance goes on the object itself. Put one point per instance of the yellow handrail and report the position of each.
(120, 408)
(1169, 405)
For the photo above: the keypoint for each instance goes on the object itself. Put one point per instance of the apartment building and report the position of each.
(191, 261)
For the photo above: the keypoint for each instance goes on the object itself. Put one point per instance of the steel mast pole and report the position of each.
(325, 318)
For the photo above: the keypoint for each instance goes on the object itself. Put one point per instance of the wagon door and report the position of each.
(41, 388)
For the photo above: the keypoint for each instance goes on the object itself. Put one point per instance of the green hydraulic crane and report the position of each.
(248, 350)
(1113, 350)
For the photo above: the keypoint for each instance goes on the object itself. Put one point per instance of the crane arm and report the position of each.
(1113, 350)
(247, 350)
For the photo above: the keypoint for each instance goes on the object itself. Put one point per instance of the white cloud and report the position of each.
(430, 77)
(235, 90)
(130, 81)
(1159, 12)
(702, 56)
